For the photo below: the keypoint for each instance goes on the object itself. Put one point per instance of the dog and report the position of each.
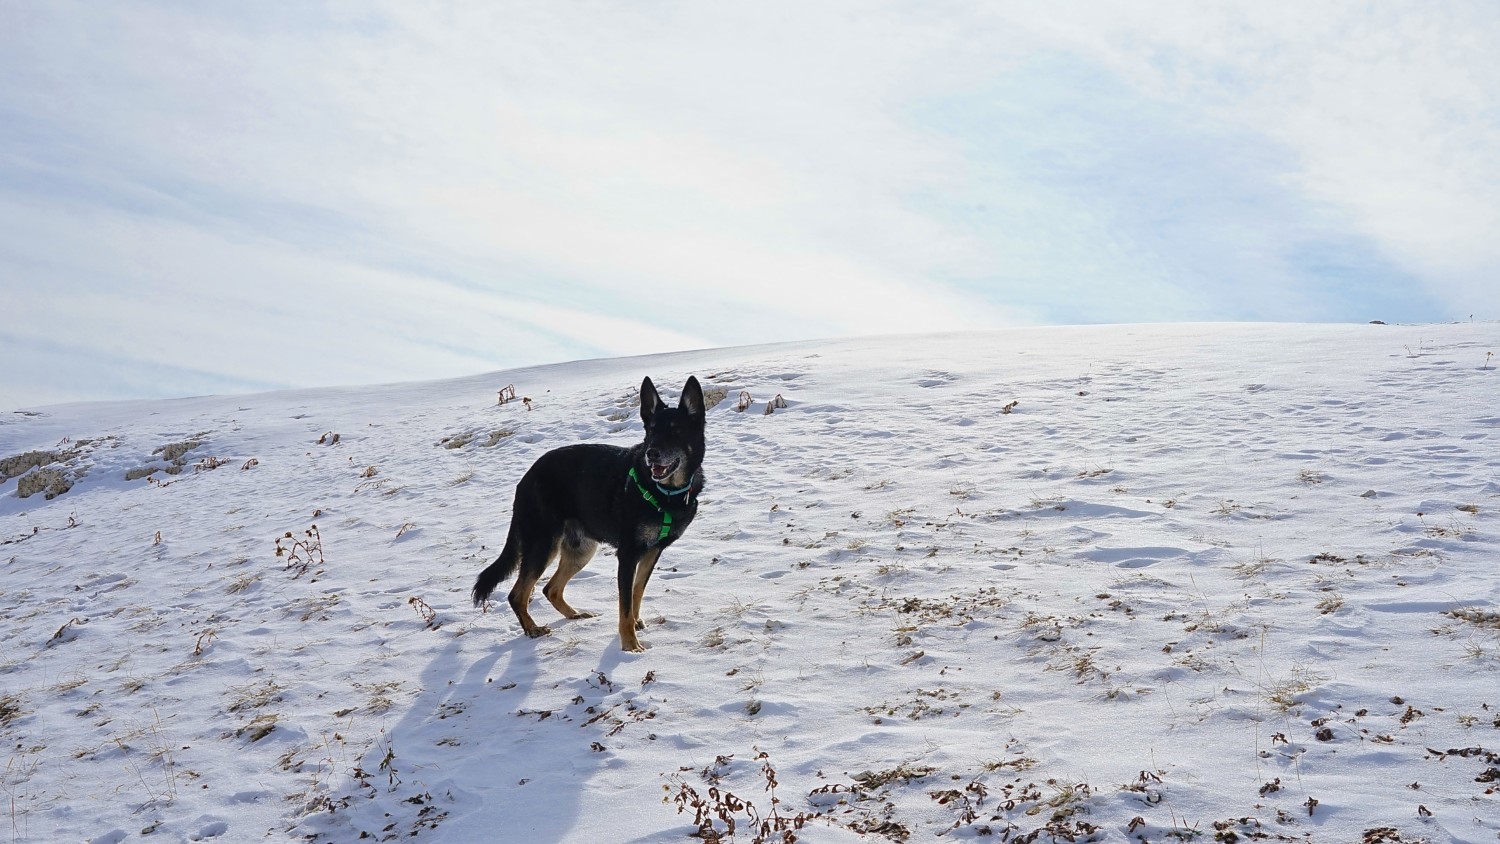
(639, 499)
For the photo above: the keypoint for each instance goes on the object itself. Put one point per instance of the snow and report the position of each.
(1223, 582)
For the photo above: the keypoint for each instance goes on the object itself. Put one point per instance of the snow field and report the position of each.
(1223, 582)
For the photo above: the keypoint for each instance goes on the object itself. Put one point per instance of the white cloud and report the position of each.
(1391, 109)
(567, 180)
(171, 295)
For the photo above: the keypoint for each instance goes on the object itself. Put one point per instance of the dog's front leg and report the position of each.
(636, 566)
(643, 571)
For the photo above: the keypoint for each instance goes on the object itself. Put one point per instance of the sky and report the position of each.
(224, 197)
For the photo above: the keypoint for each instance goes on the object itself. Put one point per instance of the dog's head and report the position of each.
(674, 436)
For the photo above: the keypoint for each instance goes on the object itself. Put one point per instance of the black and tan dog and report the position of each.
(638, 499)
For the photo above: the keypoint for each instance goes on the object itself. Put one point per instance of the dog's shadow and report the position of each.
(480, 756)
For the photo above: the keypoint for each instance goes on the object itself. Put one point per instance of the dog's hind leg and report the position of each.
(633, 577)
(575, 553)
(536, 555)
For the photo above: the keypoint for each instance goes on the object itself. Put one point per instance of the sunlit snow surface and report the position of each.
(1200, 580)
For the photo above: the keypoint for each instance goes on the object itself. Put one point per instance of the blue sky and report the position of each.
(220, 197)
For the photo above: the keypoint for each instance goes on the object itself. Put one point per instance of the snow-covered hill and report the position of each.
(1122, 583)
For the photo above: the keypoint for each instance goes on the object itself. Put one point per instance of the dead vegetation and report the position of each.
(428, 614)
(52, 472)
(302, 553)
(20, 464)
(925, 703)
(172, 459)
(1007, 808)
(957, 609)
(10, 709)
(49, 482)
(463, 438)
(1477, 617)
(251, 696)
(904, 772)
(458, 440)
(258, 727)
(1286, 694)
(719, 815)
(172, 454)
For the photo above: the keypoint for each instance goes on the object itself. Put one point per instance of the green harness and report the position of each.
(666, 518)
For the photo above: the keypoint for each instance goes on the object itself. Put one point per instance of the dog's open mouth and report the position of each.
(661, 471)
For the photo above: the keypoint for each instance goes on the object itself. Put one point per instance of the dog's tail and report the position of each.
(503, 566)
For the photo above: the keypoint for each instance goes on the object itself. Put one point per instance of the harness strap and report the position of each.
(666, 518)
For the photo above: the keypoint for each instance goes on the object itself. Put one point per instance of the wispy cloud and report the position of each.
(225, 197)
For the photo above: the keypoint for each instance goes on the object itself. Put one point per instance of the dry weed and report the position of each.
(301, 554)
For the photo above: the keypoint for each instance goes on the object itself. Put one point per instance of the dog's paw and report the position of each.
(582, 614)
(640, 624)
(538, 632)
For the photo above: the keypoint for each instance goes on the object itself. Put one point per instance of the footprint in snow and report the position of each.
(1422, 606)
(212, 829)
(1134, 558)
(936, 379)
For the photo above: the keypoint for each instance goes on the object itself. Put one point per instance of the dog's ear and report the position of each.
(692, 398)
(650, 401)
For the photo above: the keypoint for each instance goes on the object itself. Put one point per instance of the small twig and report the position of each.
(429, 615)
(58, 636)
(204, 639)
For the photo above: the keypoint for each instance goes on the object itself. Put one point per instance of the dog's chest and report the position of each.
(649, 534)
(653, 532)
